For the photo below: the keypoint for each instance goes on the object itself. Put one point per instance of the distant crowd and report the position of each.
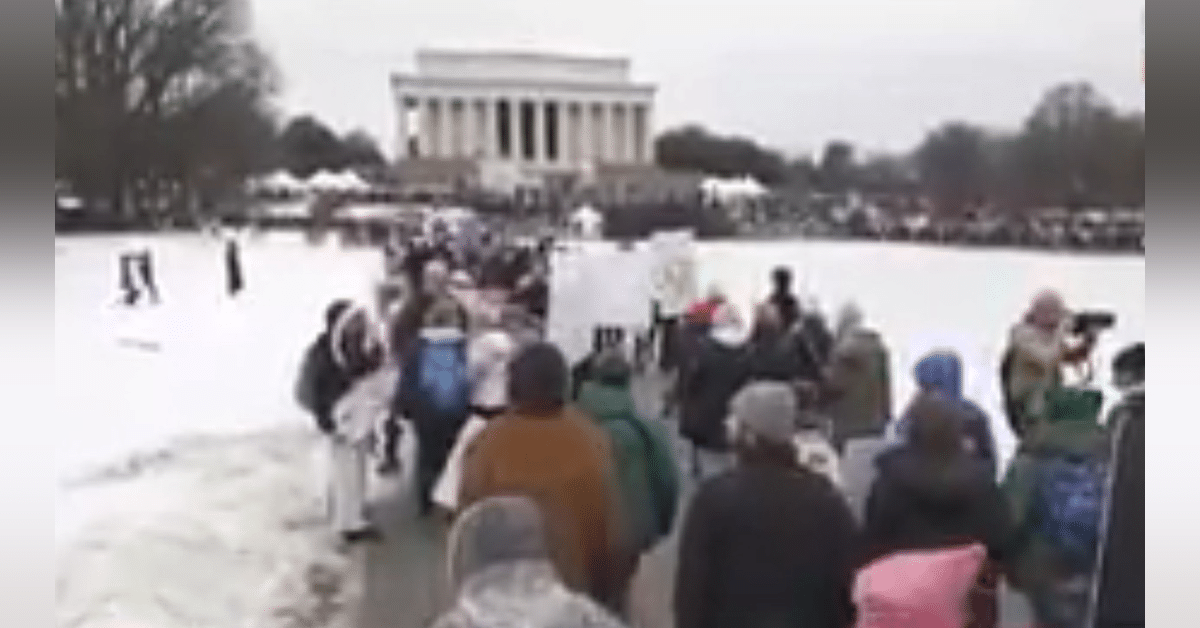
(801, 493)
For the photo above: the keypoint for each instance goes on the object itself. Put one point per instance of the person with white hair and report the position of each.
(502, 574)
(857, 381)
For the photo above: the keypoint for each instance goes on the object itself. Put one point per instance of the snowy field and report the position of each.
(188, 490)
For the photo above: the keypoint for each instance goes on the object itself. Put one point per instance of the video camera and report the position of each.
(1090, 322)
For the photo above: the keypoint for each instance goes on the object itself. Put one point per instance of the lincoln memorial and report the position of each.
(516, 118)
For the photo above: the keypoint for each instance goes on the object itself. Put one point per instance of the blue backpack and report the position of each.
(442, 380)
(1069, 508)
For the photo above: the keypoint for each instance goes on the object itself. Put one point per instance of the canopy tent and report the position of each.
(352, 182)
(325, 181)
(732, 189)
(278, 181)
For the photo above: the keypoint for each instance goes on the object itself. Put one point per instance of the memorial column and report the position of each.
(401, 126)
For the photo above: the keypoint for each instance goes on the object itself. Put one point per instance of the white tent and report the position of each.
(326, 181)
(731, 189)
(587, 223)
(351, 182)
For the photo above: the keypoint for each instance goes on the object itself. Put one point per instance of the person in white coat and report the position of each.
(358, 415)
(488, 354)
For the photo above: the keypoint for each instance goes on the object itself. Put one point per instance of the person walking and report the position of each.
(552, 453)
(502, 571)
(857, 382)
(932, 495)
(1119, 594)
(767, 543)
(435, 392)
(711, 377)
(1055, 486)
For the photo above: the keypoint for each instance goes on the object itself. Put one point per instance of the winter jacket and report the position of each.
(771, 357)
(918, 503)
(858, 385)
(1121, 577)
(917, 588)
(361, 412)
(1070, 428)
(321, 382)
(524, 594)
(712, 376)
(1035, 368)
(487, 358)
(787, 306)
(942, 372)
(764, 547)
(406, 327)
(645, 468)
(563, 462)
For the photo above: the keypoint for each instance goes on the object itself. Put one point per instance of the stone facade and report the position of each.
(523, 118)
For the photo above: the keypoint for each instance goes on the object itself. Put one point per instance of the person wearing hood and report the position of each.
(1039, 347)
(1119, 596)
(712, 376)
(857, 382)
(941, 371)
(1055, 487)
(503, 575)
(435, 391)
(931, 494)
(644, 462)
(344, 385)
(768, 543)
(488, 355)
(544, 449)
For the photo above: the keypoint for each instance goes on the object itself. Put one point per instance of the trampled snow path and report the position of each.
(224, 526)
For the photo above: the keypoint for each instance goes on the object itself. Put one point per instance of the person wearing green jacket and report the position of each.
(1055, 487)
(646, 469)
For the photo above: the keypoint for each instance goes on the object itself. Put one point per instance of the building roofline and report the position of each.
(527, 54)
(437, 81)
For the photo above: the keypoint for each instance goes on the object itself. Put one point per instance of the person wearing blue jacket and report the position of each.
(941, 371)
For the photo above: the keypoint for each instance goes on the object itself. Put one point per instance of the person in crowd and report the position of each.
(342, 383)
(435, 392)
(857, 381)
(550, 452)
(1055, 486)
(435, 287)
(711, 377)
(931, 494)
(783, 298)
(767, 543)
(941, 371)
(235, 279)
(533, 291)
(644, 462)
(1119, 597)
(771, 357)
(1039, 347)
(814, 436)
(503, 574)
(700, 313)
(813, 331)
(488, 355)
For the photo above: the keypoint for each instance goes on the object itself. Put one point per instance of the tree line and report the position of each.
(166, 104)
(1073, 150)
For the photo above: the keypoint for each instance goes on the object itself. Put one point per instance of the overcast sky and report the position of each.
(790, 73)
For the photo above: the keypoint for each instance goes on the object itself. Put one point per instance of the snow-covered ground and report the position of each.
(188, 489)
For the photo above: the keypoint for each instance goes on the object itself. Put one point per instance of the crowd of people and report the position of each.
(817, 501)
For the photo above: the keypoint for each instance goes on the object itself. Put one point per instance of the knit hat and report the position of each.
(538, 378)
(764, 410)
(495, 531)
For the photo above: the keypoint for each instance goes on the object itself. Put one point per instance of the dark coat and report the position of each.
(919, 504)
(771, 357)
(321, 382)
(712, 377)
(764, 547)
(1121, 584)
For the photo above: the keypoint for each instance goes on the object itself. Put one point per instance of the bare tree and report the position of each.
(157, 97)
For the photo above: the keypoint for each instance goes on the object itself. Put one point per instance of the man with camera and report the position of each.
(1048, 338)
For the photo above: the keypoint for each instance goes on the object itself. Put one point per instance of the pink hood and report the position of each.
(918, 589)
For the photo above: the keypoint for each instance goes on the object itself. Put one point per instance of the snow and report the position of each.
(188, 485)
